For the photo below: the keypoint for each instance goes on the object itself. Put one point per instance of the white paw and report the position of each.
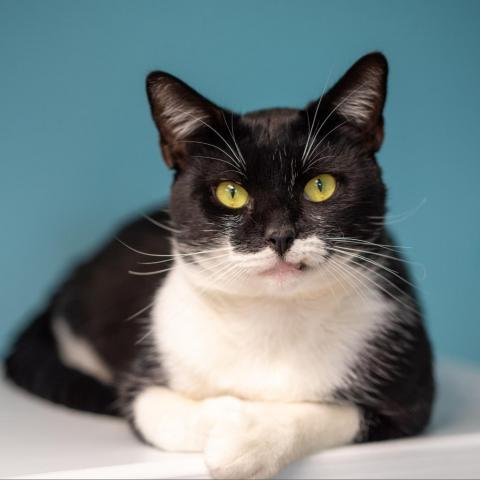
(171, 422)
(241, 446)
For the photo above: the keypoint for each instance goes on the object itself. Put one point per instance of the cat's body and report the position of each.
(227, 349)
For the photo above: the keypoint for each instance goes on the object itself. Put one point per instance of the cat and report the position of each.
(266, 313)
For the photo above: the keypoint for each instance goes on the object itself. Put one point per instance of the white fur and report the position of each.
(76, 352)
(170, 421)
(257, 439)
(242, 439)
(253, 361)
(291, 339)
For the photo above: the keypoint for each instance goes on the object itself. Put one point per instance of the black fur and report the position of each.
(36, 367)
(393, 380)
(97, 301)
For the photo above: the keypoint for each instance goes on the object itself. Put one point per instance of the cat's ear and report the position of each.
(359, 96)
(180, 114)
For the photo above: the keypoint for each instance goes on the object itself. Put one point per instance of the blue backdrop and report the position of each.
(78, 151)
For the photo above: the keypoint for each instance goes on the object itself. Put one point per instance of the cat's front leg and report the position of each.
(258, 439)
(170, 421)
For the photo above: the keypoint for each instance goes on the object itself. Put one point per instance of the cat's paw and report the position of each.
(171, 422)
(241, 445)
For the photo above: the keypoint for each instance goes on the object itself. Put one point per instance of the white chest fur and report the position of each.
(292, 349)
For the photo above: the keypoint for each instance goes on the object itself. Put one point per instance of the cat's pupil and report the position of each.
(319, 184)
(231, 191)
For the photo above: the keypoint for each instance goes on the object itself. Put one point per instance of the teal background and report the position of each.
(78, 151)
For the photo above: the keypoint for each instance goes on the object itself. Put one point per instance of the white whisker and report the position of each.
(307, 146)
(236, 169)
(372, 262)
(360, 271)
(365, 242)
(333, 111)
(142, 310)
(399, 217)
(326, 135)
(171, 254)
(386, 256)
(213, 130)
(232, 135)
(157, 272)
(161, 225)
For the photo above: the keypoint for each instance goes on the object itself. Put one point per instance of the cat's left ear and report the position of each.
(358, 98)
(180, 114)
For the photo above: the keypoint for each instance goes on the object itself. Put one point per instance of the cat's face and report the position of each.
(260, 200)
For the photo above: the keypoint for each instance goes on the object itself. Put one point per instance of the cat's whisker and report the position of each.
(366, 242)
(337, 278)
(315, 161)
(161, 225)
(168, 255)
(228, 274)
(139, 251)
(360, 271)
(213, 130)
(239, 274)
(338, 105)
(220, 274)
(319, 144)
(408, 307)
(201, 252)
(401, 214)
(349, 278)
(142, 310)
(399, 217)
(232, 135)
(156, 272)
(372, 262)
(145, 336)
(207, 262)
(236, 169)
(221, 270)
(199, 261)
(351, 273)
(398, 259)
(359, 275)
(156, 262)
(311, 126)
(239, 165)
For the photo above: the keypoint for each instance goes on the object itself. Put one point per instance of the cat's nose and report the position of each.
(280, 239)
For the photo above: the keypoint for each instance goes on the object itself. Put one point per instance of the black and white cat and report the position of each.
(266, 315)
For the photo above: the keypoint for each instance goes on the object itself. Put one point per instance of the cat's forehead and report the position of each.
(269, 128)
(275, 146)
(272, 141)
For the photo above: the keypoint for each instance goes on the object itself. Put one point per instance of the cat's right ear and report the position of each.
(180, 114)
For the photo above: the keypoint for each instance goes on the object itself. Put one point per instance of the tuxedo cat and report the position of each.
(265, 314)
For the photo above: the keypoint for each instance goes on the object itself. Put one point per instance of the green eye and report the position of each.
(320, 188)
(231, 194)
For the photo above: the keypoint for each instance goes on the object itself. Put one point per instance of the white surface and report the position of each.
(38, 440)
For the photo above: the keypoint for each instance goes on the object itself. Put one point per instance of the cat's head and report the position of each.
(264, 197)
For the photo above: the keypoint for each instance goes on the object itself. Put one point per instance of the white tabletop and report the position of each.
(40, 440)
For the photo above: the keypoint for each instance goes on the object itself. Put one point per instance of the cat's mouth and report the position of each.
(283, 268)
